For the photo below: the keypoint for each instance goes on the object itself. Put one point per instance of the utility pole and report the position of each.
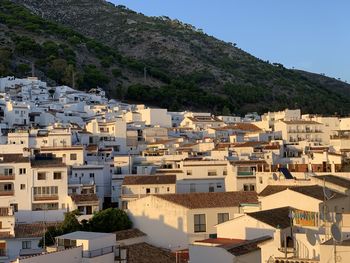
(33, 69)
(73, 79)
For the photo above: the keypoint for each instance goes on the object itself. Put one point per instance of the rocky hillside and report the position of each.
(171, 64)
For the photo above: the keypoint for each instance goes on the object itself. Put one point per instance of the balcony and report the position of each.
(7, 177)
(294, 260)
(245, 173)
(7, 193)
(133, 196)
(45, 197)
(6, 211)
(3, 253)
(5, 233)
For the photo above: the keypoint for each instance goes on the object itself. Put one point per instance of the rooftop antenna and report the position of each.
(33, 69)
(145, 74)
(337, 237)
(73, 79)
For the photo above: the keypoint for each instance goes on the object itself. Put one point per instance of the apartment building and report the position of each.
(295, 131)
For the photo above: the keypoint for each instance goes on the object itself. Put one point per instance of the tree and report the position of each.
(110, 220)
(226, 111)
(70, 223)
(49, 236)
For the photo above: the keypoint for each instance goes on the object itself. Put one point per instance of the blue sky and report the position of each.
(313, 35)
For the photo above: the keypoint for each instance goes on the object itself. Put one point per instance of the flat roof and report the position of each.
(84, 235)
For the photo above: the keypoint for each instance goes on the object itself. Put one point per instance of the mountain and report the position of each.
(164, 62)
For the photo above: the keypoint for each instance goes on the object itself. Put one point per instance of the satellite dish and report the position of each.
(274, 176)
(328, 193)
(338, 217)
(311, 237)
(336, 233)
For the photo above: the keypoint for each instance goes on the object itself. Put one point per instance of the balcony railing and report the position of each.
(295, 260)
(7, 177)
(6, 211)
(3, 253)
(45, 197)
(245, 173)
(126, 196)
(98, 252)
(7, 193)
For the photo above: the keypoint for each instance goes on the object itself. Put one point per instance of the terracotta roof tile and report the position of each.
(210, 200)
(149, 179)
(128, 233)
(146, 253)
(84, 198)
(278, 217)
(314, 191)
(33, 230)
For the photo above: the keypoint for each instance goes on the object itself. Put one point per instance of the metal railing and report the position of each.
(45, 197)
(7, 177)
(98, 252)
(7, 193)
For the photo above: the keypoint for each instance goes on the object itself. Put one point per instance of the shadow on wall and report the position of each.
(160, 233)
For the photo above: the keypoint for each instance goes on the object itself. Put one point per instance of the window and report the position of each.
(26, 244)
(224, 172)
(218, 185)
(223, 217)
(156, 190)
(41, 176)
(246, 187)
(45, 190)
(8, 171)
(92, 175)
(148, 190)
(22, 170)
(192, 188)
(23, 186)
(189, 172)
(260, 180)
(168, 189)
(45, 206)
(57, 175)
(7, 187)
(14, 207)
(199, 223)
(212, 173)
(211, 188)
(124, 205)
(252, 187)
(73, 156)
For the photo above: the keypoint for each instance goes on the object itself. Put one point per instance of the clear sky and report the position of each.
(313, 35)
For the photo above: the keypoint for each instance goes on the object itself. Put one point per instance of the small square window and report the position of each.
(26, 244)
(41, 176)
(73, 156)
(57, 175)
(23, 186)
(148, 190)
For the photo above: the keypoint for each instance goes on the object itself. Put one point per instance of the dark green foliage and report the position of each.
(93, 77)
(106, 221)
(109, 220)
(69, 224)
(116, 72)
(156, 60)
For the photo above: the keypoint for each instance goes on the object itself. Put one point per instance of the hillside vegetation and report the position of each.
(156, 60)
